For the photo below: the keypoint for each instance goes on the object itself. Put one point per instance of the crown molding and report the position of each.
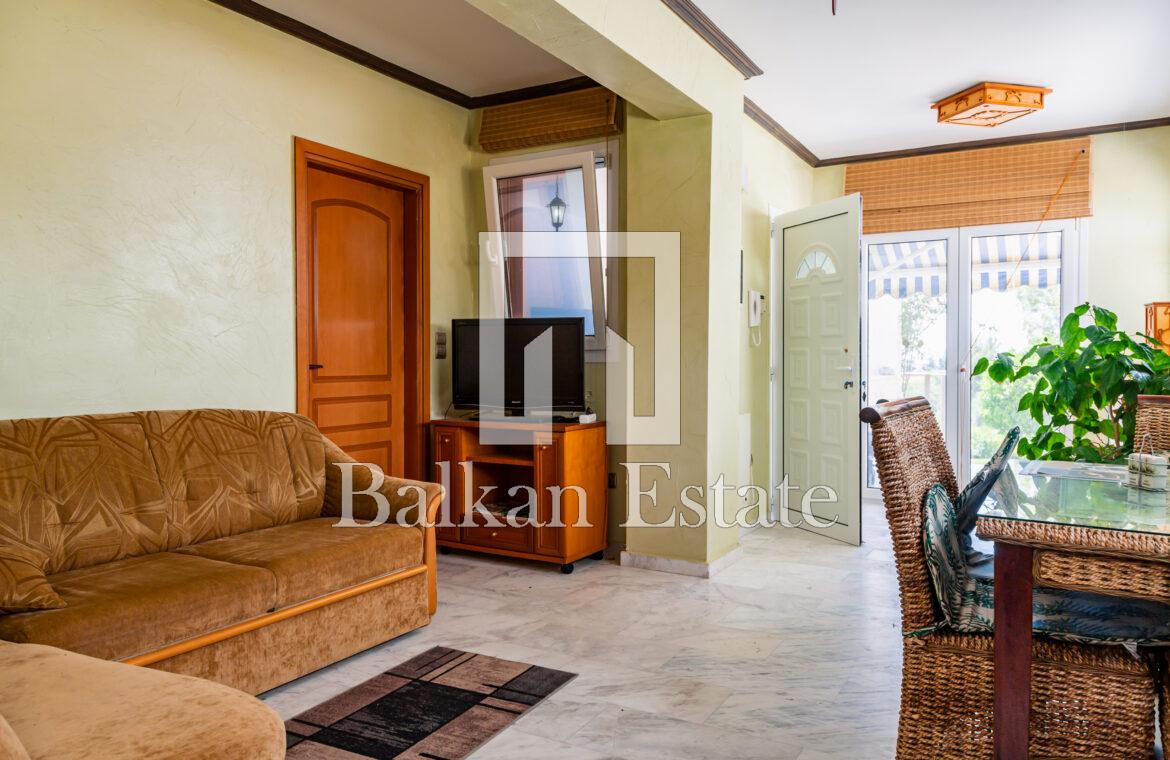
(772, 127)
(761, 117)
(703, 26)
(997, 142)
(315, 36)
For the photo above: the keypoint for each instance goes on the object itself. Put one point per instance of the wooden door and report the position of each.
(356, 333)
(363, 305)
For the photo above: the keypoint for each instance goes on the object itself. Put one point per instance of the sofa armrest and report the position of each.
(403, 507)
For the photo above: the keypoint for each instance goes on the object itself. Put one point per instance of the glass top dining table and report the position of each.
(1073, 510)
(1077, 494)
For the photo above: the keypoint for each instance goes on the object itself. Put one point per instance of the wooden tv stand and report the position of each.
(571, 454)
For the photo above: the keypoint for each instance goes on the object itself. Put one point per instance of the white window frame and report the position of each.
(587, 159)
(957, 425)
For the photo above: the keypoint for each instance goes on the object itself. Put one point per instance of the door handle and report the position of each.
(848, 384)
(316, 366)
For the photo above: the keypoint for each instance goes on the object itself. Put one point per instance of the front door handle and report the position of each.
(848, 384)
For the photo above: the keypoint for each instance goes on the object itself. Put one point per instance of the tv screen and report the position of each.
(568, 360)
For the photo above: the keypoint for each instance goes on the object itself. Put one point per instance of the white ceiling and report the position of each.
(447, 41)
(863, 81)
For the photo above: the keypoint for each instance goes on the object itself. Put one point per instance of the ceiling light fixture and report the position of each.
(989, 104)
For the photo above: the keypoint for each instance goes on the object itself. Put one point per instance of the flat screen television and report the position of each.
(568, 361)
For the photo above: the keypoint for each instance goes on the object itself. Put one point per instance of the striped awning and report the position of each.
(998, 263)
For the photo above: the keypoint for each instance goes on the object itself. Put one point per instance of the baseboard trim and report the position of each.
(681, 566)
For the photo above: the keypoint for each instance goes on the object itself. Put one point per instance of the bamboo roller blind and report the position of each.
(1015, 183)
(553, 119)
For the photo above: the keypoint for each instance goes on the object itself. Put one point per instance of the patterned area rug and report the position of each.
(441, 705)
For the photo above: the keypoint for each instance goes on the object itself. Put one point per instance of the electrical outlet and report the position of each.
(440, 344)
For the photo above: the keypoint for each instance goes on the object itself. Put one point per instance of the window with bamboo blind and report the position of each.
(544, 121)
(1017, 183)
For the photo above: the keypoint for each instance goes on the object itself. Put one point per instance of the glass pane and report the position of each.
(1015, 302)
(541, 286)
(907, 326)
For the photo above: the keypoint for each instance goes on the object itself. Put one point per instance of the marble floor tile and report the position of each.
(792, 652)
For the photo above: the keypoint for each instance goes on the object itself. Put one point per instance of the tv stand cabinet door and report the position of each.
(448, 451)
(550, 539)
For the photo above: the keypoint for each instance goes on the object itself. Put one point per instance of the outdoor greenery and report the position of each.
(1082, 392)
(1006, 321)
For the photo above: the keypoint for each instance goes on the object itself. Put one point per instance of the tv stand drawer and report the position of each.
(505, 537)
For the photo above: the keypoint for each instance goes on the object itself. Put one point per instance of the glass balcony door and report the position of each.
(938, 300)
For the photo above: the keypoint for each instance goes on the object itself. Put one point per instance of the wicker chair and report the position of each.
(1087, 701)
(1153, 420)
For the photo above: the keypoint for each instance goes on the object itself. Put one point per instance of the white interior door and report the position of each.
(819, 357)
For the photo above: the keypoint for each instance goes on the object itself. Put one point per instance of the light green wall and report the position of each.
(682, 168)
(668, 188)
(1129, 232)
(147, 195)
(774, 179)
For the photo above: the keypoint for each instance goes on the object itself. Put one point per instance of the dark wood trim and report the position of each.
(770, 125)
(995, 142)
(314, 36)
(416, 189)
(715, 37)
(761, 117)
(529, 93)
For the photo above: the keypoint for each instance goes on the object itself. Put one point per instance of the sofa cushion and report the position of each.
(80, 491)
(229, 471)
(975, 493)
(23, 585)
(11, 747)
(312, 558)
(69, 707)
(140, 604)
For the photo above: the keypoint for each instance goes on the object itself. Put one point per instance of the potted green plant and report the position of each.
(1084, 388)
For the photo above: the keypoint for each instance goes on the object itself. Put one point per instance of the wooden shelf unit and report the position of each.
(568, 454)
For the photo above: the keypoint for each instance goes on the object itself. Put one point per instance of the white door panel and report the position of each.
(819, 362)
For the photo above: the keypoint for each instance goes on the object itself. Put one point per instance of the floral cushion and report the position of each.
(974, 493)
(966, 594)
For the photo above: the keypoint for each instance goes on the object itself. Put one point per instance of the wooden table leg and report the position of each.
(1013, 650)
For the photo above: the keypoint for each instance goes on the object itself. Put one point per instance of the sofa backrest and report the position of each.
(228, 471)
(92, 489)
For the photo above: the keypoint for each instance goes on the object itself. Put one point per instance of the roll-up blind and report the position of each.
(553, 119)
(1016, 183)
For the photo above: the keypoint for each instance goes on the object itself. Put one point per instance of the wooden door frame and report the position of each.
(416, 258)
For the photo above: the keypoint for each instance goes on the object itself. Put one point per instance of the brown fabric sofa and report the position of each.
(203, 542)
(60, 705)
